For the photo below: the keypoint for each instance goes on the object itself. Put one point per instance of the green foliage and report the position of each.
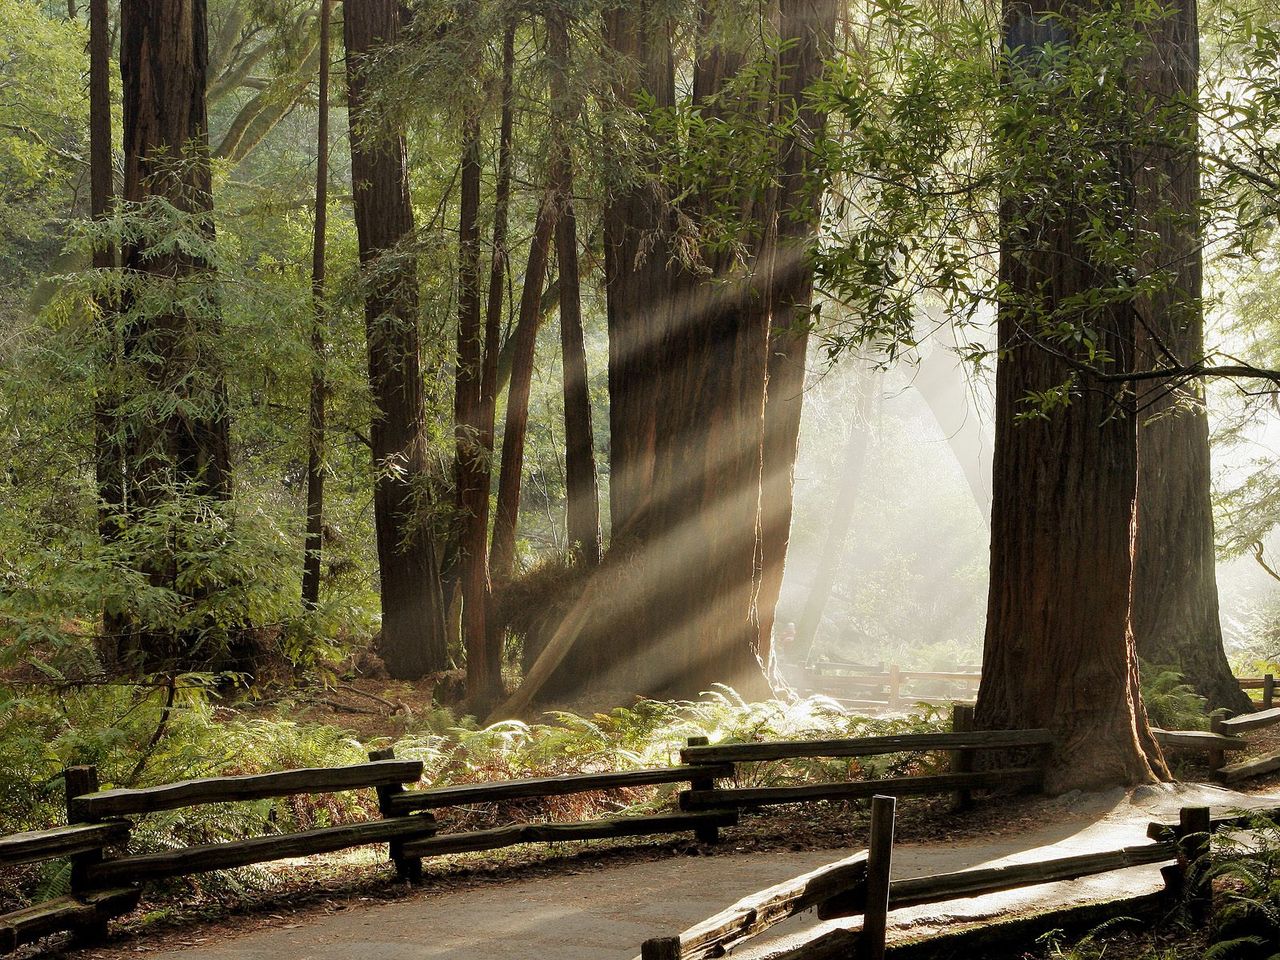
(1246, 870)
(1172, 704)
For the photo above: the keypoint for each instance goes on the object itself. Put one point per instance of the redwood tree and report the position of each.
(807, 30)
(1059, 651)
(582, 494)
(484, 662)
(109, 464)
(178, 442)
(413, 630)
(315, 413)
(1175, 590)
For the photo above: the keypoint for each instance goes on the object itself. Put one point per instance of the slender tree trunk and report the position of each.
(413, 627)
(109, 450)
(315, 418)
(580, 459)
(807, 29)
(1175, 590)
(507, 512)
(484, 660)
(180, 445)
(1059, 652)
(476, 476)
(489, 381)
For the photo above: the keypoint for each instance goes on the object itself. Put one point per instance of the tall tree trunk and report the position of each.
(701, 540)
(486, 651)
(807, 31)
(484, 660)
(1175, 590)
(315, 417)
(582, 494)
(1059, 652)
(507, 512)
(109, 451)
(179, 446)
(413, 628)
(638, 281)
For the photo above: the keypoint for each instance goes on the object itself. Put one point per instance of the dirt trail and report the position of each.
(605, 914)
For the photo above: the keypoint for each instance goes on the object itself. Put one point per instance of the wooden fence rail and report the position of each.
(846, 888)
(877, 687)
(106, 879)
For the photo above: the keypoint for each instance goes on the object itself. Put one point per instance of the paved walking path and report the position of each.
(605, 914)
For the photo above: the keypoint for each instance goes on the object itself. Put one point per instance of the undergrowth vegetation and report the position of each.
(44, 729)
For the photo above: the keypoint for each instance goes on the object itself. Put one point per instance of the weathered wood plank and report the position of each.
(867, 746)
(435, 798)
(64, 913)
(1164, 830)
(1252, 721)
(239, 853)
(937, 675)
(983, 880)
(863, 789)
(752, 915)
(1197, 740)
(1235, 772)
(35, 845)
(120, 802)
(512, 834)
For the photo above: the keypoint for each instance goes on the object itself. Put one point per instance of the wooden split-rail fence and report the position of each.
(877, 687)
(107, 877)
(860, 885)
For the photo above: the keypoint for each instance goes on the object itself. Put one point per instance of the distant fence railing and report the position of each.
(107, 879)
(861, 885)
(874, 686)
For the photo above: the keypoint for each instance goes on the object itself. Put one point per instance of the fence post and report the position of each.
(77, 782)
(1217, 756)
(661, 948)
(875, 918)
(962, 760)
(895, 685)
(1268, 692)
(408, 869)
(1193, 833)
(706, 833)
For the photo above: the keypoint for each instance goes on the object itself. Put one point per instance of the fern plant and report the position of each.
(1246, 871)
(1172, 704)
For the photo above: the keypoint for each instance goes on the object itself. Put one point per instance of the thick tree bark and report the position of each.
(701, 540)
(639, 287)
(315, 414)
(484, 658)
(1175, 590)
(507, 512)
(175, 448)
(1059, 652)
(807, 30)
(582, 494)
(413, 628)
